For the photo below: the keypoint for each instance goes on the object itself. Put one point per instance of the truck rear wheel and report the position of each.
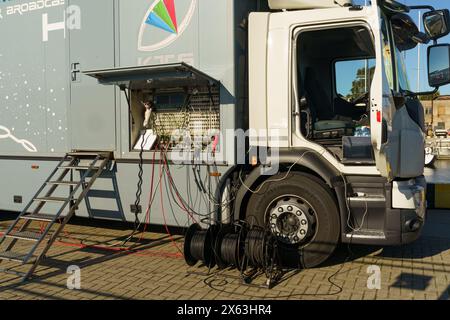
(301, 212)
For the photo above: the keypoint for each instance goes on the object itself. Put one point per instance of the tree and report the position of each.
(359, 84)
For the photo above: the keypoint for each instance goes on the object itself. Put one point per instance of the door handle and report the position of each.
(75, 71)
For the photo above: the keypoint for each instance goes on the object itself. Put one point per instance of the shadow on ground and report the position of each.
(60, 266)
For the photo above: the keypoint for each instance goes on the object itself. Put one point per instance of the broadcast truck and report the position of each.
(291, 115)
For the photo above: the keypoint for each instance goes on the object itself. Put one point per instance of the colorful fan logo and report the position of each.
(163, 15)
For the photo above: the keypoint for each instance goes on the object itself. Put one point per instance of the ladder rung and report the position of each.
(79, 167)
(52, 199)
(84, 154)
(25, 235)
(63, 183)
(39, 217)
(13, 256)
(106, 194)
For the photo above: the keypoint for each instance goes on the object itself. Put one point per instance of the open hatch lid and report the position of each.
(176, 75)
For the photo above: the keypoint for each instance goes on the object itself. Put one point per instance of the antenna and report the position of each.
(366, 67)
(418, 54)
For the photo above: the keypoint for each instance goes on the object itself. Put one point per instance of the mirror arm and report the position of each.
(431, 8)
(415, 94)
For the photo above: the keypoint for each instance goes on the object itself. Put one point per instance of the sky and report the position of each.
(412, 62)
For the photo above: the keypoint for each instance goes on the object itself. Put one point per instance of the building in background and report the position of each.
(437, 113)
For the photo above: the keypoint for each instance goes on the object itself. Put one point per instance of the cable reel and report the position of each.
(199, 245)
(259, 247)
(229, 247)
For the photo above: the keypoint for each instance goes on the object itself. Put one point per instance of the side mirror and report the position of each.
(439, 65)
(406, 33)
(437, 23)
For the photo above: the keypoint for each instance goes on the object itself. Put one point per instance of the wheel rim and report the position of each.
(292, 220)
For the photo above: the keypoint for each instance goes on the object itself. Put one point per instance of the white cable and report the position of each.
(276, 180)
(349, 213)
(356, 229)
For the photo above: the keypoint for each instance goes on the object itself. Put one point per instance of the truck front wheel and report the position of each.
(300, 211)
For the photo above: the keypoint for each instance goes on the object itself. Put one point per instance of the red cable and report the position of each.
(125, 250)
(42, 227)
(169, 175)
(147, 216)
(147, 221)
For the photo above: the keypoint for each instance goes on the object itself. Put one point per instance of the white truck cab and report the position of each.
(329, 90)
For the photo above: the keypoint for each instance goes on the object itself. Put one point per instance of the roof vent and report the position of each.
(307, 4)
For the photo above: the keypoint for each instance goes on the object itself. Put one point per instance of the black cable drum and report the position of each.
(198, 245)
(230, 248)
(258, 248)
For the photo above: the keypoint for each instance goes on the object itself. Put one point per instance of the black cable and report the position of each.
(255, 247)
(209, 281)
(139, 184)
(128, 98)
(169, 193)
(184, 202)
(196, 179)
(201, 244)
(230, 249)
(197, 245)
(260, 253)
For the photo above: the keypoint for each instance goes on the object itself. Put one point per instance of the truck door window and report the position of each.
(335, 69)
(353, 78)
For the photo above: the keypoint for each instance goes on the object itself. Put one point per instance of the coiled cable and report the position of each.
(257, 248)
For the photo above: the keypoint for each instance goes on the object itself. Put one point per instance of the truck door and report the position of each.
(92, 106)
(397, 140)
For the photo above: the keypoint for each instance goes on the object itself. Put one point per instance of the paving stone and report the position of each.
(418, 271)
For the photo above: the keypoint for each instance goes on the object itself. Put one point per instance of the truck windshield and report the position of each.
(402, 75)
(387, 52)
(392, 53)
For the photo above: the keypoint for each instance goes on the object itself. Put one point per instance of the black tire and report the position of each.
(320, 246)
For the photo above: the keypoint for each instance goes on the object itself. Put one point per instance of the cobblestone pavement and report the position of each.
(156, 270)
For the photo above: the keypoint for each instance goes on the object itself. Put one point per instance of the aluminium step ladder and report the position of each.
(97, 163)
